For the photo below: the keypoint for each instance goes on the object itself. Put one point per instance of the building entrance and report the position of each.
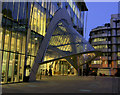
(59, 67)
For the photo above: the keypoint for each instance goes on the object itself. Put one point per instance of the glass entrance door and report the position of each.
(10, 68)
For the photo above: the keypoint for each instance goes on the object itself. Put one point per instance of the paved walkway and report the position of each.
(66, 84)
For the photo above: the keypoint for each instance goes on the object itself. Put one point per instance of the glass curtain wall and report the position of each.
(13, 38)
(17, 17)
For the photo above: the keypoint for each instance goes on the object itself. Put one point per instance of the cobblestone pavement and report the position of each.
(66, 84)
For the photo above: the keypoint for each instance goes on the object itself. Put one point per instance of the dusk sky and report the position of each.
(99, 13)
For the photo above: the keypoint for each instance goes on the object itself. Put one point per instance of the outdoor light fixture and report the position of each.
(35, 38)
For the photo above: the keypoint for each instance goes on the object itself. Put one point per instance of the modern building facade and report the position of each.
(38, 36)
(107, 39)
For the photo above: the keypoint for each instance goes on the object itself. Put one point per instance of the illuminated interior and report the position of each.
(65, 43)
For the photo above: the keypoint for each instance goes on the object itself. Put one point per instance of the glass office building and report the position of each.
(42, 33)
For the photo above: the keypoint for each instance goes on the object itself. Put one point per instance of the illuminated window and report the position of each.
(29, 48)
(101, 47)
(6, 44)
(13, 41)
(19, 43)
(99, 40)
(118, 54)
(1, 38)
(22, 67)
(96, 62)
(23, 44)
(118, 61)
(11, 61)
(38, 21)
(32, 61)
(4, 64)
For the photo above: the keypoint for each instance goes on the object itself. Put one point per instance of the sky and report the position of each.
(99, 13)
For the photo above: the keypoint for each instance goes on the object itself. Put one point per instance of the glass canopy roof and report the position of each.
(66, 41)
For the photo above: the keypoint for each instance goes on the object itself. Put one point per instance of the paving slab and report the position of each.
(66, 84)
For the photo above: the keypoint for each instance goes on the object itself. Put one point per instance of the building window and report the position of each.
(119, 62)
(101, 47)
(118, 54)
(99, 40)
(1, 38)
(7, 38)
(118, 39)
(118, 47)
(96, 62)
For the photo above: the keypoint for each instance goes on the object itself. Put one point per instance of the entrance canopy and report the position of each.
(67, 43)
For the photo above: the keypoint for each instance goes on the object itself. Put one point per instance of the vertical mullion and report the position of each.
(19, 58)
(37, 19)
(9, 48)
(40, 22)
(23, 9)
(14, 57)
(18, 10)
(16, 34)
(18, 67)
(12, 77)
(3, 41)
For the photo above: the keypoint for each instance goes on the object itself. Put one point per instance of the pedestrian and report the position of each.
(46, 72)
(50, 72)
(95, 74)
(40, 74)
